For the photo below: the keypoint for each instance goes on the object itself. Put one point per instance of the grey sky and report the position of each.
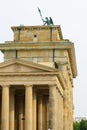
(70, 15)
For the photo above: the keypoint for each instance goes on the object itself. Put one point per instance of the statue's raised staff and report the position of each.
(47, 21)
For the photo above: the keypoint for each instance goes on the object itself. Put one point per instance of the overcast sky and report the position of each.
(70, 15)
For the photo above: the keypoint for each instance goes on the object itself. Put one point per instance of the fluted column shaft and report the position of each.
(5, 108)
(40, 112)
(52, 107)
(28, 108)
(11, 118)
(34, 110)
(21, 126)
(65, 111)
(61, 112)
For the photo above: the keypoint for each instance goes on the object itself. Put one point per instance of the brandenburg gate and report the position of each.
(36, 80)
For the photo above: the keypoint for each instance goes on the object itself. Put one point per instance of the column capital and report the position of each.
(28, 85)
(53, 85)
(5, 85)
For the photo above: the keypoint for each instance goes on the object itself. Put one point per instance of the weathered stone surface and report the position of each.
(36, 80)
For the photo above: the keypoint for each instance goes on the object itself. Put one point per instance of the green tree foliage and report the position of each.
(82, 125)
(76, 126)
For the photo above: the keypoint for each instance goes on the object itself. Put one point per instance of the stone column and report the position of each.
(34, 110)
(5, 108)
(0, 110)
(52, 108)
(12, 111)
(28, 108)
(46, 113)
(58, 111)
(65, 114)
(63, 69)
(21, 126)
(61, 112)
(40, 112)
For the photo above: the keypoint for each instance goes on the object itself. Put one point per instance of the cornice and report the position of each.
(29, 74)
(39, 45)
(61, 45)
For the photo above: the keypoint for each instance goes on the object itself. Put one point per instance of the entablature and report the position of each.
(62, 45)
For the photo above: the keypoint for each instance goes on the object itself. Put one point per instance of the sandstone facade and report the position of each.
(36, 80)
